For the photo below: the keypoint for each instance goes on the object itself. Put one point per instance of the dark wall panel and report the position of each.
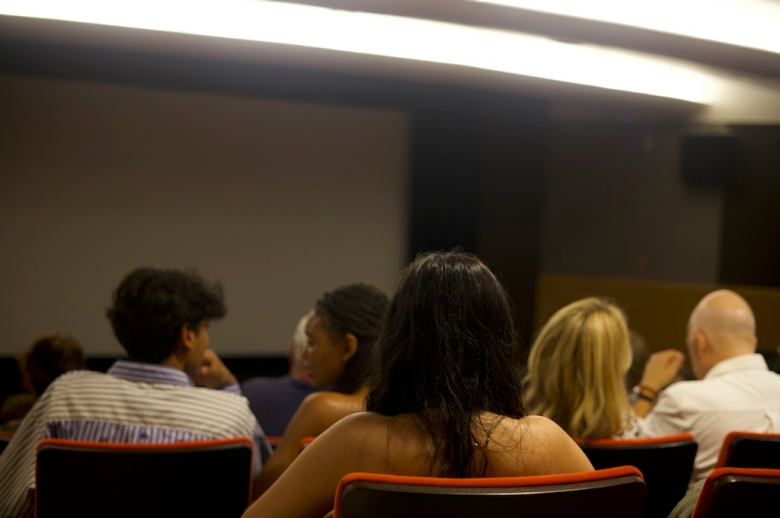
(477, 183)
(750, 246)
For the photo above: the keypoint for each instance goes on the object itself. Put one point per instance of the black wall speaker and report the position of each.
(708, 160)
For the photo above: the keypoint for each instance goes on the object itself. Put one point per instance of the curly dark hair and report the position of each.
(356, 309)
(48, 357)
(448, 349)
(151, 305)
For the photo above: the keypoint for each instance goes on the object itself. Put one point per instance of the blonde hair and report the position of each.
(576, 370)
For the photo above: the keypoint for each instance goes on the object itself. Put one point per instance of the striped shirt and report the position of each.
(133, 403)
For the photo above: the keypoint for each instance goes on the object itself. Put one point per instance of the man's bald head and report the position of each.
(725, 324)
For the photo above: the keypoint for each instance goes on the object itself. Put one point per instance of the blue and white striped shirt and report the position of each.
(133, 403)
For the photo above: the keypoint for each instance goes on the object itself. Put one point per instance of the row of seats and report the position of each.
(639, 477)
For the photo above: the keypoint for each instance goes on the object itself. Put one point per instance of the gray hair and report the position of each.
(299, 337)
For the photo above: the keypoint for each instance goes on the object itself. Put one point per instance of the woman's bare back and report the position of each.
(513, 447)
(374, 443)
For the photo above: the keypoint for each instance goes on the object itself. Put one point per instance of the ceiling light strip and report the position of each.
(390, 36)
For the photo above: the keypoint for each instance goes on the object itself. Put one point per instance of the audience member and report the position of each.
(161, 319)
(49, 357)
(577, 369)
(341, 335)
(275, 400)
(735, 389)
(40, 364)
(445, 398)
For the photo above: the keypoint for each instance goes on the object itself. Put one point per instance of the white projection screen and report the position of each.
(279, 201)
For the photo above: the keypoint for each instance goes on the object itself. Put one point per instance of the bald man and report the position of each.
(734, 390)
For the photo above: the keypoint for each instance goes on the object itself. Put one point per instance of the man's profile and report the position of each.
(161, 319)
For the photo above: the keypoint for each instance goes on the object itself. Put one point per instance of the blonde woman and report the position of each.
(577, 368)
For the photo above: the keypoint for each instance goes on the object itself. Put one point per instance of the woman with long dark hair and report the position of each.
(341, 334)
(444, 399)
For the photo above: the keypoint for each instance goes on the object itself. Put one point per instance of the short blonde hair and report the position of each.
(576, 370)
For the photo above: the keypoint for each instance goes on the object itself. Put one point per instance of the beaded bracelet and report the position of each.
(648, 389)
(638, 393)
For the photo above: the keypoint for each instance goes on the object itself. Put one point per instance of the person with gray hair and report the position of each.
(275, 400)
(734, 389)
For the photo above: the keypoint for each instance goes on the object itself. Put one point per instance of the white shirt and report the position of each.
(738, 394)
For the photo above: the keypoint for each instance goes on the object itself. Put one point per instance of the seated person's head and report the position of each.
(447, 351)
(47, 358)
(158, 313)
(298, 346)
(576, 369)
(341, 334)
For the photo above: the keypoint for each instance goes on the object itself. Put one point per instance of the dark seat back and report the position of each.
(86, 479)
(665, 462)
(730, 492)
(750, 450)
(613, 493)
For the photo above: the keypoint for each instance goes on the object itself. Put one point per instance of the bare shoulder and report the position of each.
(330, 402)
(548, 449)
(536, 446)
(360, 424)
(320, 411)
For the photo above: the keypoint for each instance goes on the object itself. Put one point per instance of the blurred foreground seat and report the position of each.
(735, 492)
(90, 479)
(666, 464)
(611, 493)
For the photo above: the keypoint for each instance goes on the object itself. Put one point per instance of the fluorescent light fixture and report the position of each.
(391, 36)
(746, 23)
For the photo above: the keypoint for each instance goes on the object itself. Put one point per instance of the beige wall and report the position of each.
(278, 200)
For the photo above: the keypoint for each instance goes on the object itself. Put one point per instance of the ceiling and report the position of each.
(748, 80)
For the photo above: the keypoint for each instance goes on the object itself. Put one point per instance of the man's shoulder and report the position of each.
(79, 378)
(159, 395)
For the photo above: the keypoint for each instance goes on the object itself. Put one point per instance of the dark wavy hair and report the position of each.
(448, 349)
(48, 357)
(356, 309)
(151, 305)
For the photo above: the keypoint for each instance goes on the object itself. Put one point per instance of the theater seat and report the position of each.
(665, 462)
(734, 492)
(750, 450)
(90, 479)
(611, 493)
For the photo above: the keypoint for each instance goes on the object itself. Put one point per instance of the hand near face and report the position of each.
(662, 368)
(212, 373)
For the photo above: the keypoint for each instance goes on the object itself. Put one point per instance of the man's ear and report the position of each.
(186, 338)
(350, 347)
(701, 344)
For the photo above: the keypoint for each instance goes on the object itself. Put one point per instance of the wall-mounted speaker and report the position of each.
(709, 160)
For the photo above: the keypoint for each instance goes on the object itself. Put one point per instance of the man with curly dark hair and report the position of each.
(171, 388)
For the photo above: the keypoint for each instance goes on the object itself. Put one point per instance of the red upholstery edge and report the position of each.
(142, 446)
(304, 443)
(527, 481)
(7, 434)
(664, 439)
(274, 439)
(702, 503)
(725, 448)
